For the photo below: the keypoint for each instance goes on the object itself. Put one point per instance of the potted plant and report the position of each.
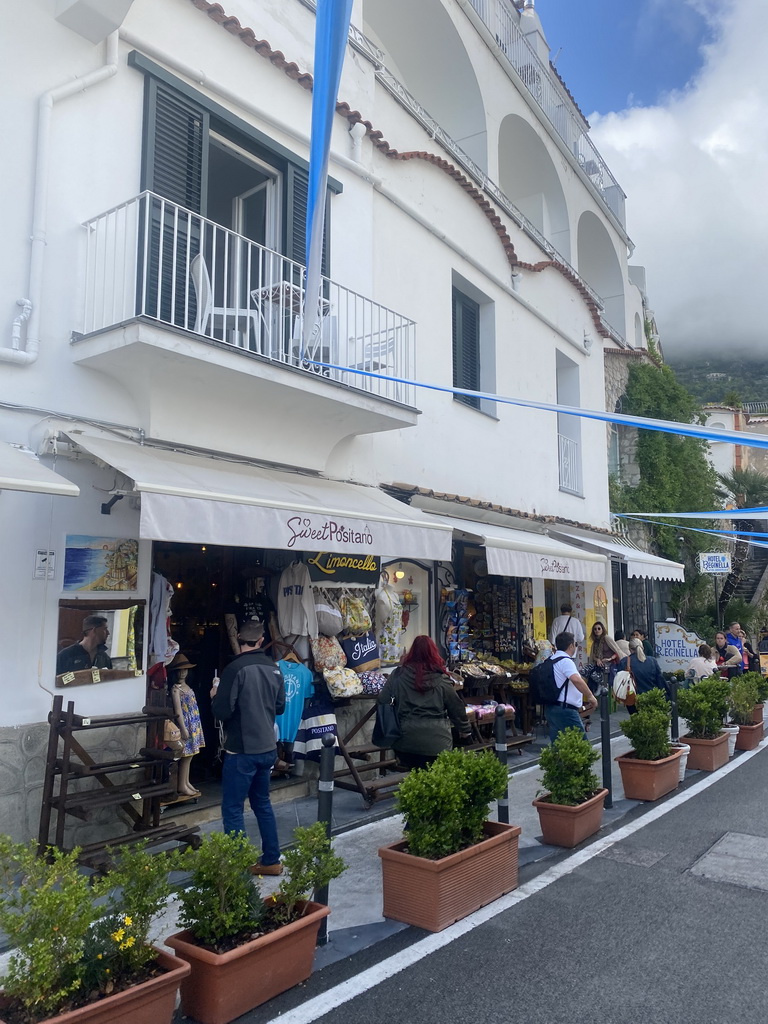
(742, 702)
(75, 960)
(452, 860)
(243, 949)
(761, 682)
(704, 705)
(651, 768)
(572, 807)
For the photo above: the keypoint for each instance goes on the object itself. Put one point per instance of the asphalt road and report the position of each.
(657, 928)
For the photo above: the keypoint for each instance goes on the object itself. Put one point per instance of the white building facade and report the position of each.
(157, 412)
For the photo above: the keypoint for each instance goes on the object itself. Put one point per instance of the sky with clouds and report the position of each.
(676, 92)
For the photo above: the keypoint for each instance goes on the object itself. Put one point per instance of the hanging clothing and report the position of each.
(191, 716)
(295, 602)
(298, 688)
(389, 623)
(161, 645)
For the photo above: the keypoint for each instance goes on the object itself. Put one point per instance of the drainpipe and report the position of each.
(23, 357)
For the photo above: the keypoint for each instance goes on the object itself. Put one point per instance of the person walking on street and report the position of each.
(573, 688)
(249, 696)
(566, 622)
(642, 635)
(646, 672)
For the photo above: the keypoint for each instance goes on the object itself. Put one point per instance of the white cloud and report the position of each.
(695, 170)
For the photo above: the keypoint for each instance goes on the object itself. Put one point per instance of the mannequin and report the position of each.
(256, 606)
(187, 717)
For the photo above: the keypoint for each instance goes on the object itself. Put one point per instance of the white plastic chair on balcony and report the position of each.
(228, 319)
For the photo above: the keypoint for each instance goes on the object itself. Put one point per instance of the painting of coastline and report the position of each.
(100, 563)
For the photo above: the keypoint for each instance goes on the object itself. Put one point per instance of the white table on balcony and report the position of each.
(284, 302)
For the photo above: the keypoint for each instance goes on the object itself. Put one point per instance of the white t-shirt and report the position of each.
(565, 668)
(701, 666)
(561, 624)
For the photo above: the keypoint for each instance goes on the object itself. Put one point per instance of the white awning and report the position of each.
(512, 552)
(639, 563)
(21, 470)
(198, 500)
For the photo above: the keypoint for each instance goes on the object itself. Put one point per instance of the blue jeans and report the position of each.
(247, 775)
(561, 718)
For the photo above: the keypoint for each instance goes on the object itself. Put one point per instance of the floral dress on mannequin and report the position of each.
(389, 622)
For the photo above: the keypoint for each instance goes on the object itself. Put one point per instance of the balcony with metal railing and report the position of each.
(569, 465)
(180, 291)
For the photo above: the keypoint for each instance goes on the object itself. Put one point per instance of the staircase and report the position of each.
(753, 578)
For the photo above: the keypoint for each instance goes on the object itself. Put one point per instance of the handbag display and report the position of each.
(342, 682)
(327, 653)
(386, 728)
(372, 682)
(624, 689)
(355, 615)
(329, 620)
(362, 652)
(172, 736)
(319, 720)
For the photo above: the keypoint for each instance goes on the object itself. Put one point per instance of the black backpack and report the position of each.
(541, 679)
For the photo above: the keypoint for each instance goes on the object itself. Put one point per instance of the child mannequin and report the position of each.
(187, 717)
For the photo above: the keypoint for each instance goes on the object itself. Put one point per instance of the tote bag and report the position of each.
(319, 720)
(386, 728)
(624, 688)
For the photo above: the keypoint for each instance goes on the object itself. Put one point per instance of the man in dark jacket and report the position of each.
(247, 699)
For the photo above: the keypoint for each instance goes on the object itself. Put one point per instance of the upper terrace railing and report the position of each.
(501, 20)
(149, 258)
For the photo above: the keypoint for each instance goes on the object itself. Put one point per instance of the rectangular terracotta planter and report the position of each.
(749, 736)
(568, 826)
(432, 894)
(649, 780)
(223, 986)
(757, 714)
(707, 755)
(152, 1002)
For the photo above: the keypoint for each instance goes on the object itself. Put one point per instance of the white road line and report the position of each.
(320, 1005)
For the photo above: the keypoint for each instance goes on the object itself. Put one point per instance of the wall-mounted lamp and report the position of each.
(399, 574)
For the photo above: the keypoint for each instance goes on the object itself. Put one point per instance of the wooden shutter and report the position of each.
(466, 347)
(296, 226)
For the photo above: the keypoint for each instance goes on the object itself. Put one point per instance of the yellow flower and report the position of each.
(128, 920)
(118, 935)
(128, 942)
(99, 956)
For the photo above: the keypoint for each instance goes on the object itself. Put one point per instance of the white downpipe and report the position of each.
(23, 357)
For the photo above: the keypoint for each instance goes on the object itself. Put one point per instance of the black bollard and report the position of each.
(673, 699)
(604, 697)
(500, 746)
(325, 814)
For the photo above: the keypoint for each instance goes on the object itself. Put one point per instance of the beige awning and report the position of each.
(21, 470)
(639, 563)
(207, 500)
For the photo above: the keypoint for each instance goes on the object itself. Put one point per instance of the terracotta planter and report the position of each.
(757, 714)
(223, 986)
(569, 826)
(749, 736)
(649, 780)
(707, 755)
(152, 1002)
(432, 894)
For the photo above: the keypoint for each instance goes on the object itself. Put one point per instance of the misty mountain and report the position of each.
(713, 379)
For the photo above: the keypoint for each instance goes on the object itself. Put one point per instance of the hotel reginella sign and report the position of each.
(715, 562)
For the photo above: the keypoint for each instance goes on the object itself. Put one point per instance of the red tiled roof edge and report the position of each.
(232, 24)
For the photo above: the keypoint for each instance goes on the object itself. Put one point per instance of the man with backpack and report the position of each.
(556, 684)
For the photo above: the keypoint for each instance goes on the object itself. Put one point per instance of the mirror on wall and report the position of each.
(99, 641)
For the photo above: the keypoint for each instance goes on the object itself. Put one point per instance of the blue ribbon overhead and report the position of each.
(331, 31)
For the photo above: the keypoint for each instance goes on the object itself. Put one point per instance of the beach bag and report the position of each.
(329, 620)
(342, 682)
(361, 652)
(172, 736)
(319, 720)
(327, 653)
(355, 616)
(386, 728)
(624, 688)
(541, 680)
(372, 682)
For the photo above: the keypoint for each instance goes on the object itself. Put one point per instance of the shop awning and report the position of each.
(21, 470)
(198, 500)
(511, 552)
(639, 563)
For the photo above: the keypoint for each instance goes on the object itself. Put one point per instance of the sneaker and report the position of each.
(267, 869)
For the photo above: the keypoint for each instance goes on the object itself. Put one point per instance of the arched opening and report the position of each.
(639, 335)
(599, 266)
(425, 52)
(528, 177)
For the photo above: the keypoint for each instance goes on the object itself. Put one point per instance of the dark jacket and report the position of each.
(647, 674)
(250, 694)
(425, 717)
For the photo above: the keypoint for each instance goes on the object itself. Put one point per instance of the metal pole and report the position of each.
(605, 737)
(500, 746)
(325, 814)
(673, 695)
(717, 601)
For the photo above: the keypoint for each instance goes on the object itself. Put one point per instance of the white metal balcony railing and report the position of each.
(569, 464)
(501, 21)
(148, 257)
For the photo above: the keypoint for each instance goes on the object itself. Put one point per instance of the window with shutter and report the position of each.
(466, 347)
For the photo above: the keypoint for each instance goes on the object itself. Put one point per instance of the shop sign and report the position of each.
(715, 562)
(675, 646)
(324, 565)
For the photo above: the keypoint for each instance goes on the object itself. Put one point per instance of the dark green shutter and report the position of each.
(466, 347)
(296, 226)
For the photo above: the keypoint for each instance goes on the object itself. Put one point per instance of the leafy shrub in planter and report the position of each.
(743, 697)
(761, 682)
(647, 728)
(567, 764)
(446, 804)
(704, 705)
(309, 864)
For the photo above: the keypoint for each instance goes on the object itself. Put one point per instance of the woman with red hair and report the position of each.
(427, 705)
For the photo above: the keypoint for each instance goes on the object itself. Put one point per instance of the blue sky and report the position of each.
(616, 54)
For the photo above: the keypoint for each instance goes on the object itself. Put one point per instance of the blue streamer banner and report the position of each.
(331, 31)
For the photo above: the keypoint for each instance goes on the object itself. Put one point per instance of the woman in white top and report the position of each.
(704, 665)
